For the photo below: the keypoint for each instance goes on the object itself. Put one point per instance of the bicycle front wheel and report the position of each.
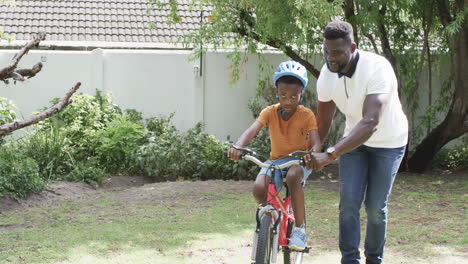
(265, 241)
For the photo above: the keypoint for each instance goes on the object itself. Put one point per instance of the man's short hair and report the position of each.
(339, 29)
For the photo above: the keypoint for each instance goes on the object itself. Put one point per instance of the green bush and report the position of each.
(456, 158)
(160, 126)
(87, 171)
(170, 154)
(159, 156)
(51, 150)
(7, 115)
(19, 174)
(81, 121)
(117, 143)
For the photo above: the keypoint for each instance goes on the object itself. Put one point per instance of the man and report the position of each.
(363, 86)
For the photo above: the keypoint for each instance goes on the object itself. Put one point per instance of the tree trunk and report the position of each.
(455, 123)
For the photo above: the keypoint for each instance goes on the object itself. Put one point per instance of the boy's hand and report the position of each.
(234, 154)
(309, 161)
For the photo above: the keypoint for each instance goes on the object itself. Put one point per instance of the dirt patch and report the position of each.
(139, 188)
(125, 189)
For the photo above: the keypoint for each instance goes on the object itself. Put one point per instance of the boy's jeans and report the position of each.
(366, 171)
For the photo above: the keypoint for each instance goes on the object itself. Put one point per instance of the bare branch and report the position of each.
(10, 127)
(30, 72)
(348, 7)
(5, 72)
(372, 41)
(386, 48)
(247, 29)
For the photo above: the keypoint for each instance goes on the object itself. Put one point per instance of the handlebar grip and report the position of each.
(245, 151)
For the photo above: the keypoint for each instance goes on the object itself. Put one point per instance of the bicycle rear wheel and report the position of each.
(265, 241)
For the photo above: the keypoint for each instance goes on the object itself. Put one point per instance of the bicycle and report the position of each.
(275, 218)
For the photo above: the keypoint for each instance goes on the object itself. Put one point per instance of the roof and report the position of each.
(98, 23)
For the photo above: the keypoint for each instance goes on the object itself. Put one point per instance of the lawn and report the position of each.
(212, 222)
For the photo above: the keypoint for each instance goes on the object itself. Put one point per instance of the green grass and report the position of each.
(426, 214)
(105, 226)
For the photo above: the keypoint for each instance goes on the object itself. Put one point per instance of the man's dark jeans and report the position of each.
(366, 172)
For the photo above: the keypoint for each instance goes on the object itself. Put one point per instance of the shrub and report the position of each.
(51, 151)
(159, 156)
(7, 115)
(88, 172)
(170, 154)
(456, 158)
(19, 175)
(117, 143)
(134, 116)
(81, 121)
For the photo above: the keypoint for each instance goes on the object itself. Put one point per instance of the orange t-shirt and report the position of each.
(287, 136)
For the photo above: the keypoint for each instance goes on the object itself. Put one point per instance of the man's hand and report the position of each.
(234, 154)
(320, 160)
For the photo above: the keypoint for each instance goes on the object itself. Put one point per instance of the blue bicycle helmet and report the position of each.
(291, 68)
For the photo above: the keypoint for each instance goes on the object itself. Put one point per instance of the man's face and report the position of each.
(338, 54)
(289, 96)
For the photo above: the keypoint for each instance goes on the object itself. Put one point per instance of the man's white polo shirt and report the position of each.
(373, 75)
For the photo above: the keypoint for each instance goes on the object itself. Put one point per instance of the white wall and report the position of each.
(61, 71)
(155, 82)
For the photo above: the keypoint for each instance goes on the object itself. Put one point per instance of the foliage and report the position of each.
(81, 121)
(87, 171)
(456, 158)
(161, 126)
(7, 114)
(134, 116)
(156, 157)
(169, 154)
(51, 150)
(247, 25)
(19, 174)
(117, 143)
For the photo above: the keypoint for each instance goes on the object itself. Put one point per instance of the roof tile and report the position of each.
(93, 20)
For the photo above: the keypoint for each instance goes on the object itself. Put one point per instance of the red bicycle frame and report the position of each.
(282, 206)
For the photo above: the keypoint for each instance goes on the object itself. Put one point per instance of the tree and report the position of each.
(11, 73)
(429, 27)
(407, 32)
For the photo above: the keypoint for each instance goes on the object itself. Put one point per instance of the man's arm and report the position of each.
(244, 139)
(371, 113)
(325, 113)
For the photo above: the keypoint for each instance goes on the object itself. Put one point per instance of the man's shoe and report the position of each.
(298, 240)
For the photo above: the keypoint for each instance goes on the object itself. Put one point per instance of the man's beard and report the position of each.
(340, 67)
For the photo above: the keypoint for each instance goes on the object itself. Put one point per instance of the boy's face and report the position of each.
(289, 96)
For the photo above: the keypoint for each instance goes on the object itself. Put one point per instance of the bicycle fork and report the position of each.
(276, 217)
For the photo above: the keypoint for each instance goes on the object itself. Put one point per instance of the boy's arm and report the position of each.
(244, 139)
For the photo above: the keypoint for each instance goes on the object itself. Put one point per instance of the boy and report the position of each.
(289, 125)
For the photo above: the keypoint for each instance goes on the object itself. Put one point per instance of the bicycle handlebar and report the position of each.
(246, 155)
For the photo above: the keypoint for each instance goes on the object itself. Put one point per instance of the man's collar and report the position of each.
(351, 71)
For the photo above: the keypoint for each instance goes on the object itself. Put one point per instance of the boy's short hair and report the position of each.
(339, 29)
(288, 79)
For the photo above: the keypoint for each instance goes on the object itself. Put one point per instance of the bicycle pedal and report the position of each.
(306, 250)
